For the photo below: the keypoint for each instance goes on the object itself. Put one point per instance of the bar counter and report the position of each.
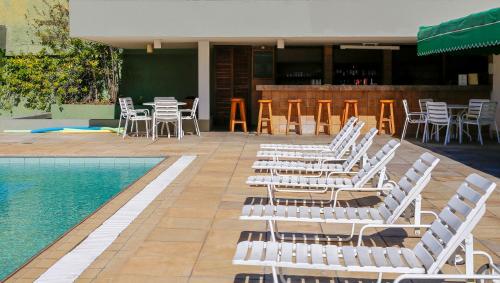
(368, 97)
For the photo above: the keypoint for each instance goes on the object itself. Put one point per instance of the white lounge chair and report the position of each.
(321, 166)
(339, 138)
(406, 191)
(301, 184)
(444, 236)
(336, 154)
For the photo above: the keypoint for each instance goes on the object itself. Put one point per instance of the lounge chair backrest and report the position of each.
(423, 104)
(437, 112)
(359, 150)
(475, 106)
(487, 112)
(408, 188)
(166, 110)
(339, 138)
(350, 139)
(455, 222)
(375, 164)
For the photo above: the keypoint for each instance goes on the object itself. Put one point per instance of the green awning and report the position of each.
(476, 33)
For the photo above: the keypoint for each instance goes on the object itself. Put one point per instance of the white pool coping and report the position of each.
(70, 266)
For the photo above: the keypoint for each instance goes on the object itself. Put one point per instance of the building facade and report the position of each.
(190, 41)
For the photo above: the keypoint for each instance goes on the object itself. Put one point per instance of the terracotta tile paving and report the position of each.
(189, 233)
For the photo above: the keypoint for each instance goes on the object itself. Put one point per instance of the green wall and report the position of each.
(167, 72)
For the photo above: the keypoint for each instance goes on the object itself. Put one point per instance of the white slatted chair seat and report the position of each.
(339, 152)
(306, 147)
(299, 181)
(354, 157)
(395, 203)
(297, 166)
(347, 215)
(296, 155)
(328, 257)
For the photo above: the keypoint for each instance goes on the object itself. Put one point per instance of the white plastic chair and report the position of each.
(133, 115)
(450, 231)
(423, 104)
(398, 199)
(166, 111)
(438, 117)
(412, 118)
(192, 115)
(484, 117)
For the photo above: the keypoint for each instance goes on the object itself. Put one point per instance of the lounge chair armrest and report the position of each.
(360, 237)
(429, 212)
(357, 190)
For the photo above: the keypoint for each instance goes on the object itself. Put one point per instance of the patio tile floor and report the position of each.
(189, 233)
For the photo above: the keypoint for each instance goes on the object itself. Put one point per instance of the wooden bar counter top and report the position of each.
(368, 97)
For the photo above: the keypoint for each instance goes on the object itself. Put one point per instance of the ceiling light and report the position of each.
(157, 43)
(280, 44)
(370, 46)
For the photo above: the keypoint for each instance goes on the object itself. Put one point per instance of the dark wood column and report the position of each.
(387, 67)
(328, 64)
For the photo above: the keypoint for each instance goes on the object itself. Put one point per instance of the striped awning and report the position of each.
(477, 33)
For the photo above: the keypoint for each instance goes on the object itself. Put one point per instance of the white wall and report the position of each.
(495, 92)
(128, 22)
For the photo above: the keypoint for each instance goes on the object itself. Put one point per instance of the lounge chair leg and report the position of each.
(125, 128)
(271, 224)
(275, 274)
(417, 212)
(270, 192)
(418, 129)
(496, 130)
(469, 255)
(404, 130)
(119, 124)
(479, 135)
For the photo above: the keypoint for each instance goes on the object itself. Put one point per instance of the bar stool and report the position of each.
(268, 119)
(328, 123)
(298, 123)
(345, 112)
(238, 103)
(390, 119)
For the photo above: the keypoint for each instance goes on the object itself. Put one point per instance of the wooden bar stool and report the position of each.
(298, 123)
(328, 123)
(238, 103)
(268, 119)
(345, 112)
(389, 119)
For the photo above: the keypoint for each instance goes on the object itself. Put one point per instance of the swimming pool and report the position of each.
(42, 198)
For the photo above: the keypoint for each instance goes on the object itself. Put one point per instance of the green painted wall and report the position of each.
(13, 17)
(167, 72)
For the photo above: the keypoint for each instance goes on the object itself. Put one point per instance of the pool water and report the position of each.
(42, 198)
